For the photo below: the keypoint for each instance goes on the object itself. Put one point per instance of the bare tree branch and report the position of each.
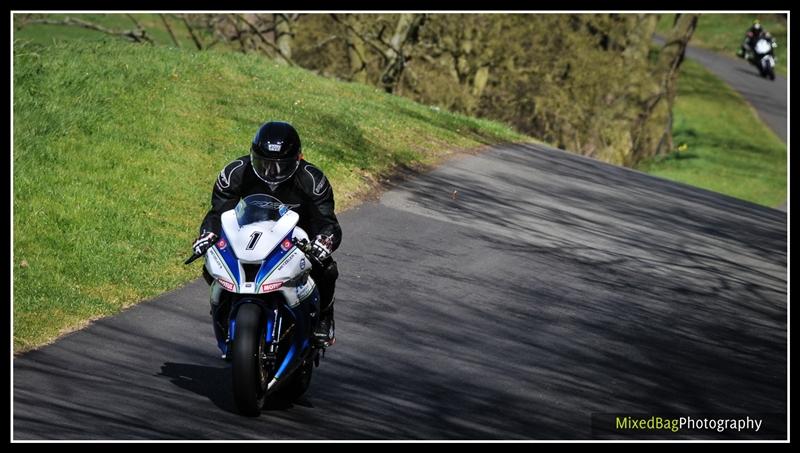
(239, 33)
(213, 43)
(139, 27)
(356, 54)
(405, 32)
(197, 42)
(134, 35)
(360, 35)
(324, 43)
(169, 30)
(264, 40)
(394, 58)
(133, 19)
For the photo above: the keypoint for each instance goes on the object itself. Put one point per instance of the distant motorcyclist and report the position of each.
(762, 55)
(753, 34)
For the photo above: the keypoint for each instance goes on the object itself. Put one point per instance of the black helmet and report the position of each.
(275, 152)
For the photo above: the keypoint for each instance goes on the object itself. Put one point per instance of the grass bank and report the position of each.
(117, 146)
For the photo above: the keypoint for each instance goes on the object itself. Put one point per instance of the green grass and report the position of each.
(728, 149)
(724, 33)
(152, 23)
(117, 147)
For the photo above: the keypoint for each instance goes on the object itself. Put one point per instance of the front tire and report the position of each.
(249, 380)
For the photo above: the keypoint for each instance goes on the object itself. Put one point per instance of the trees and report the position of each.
(653, 128)
(394, 52)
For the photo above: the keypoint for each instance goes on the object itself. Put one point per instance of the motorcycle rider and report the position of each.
(753, 34)
(749, 39)
(275, 167)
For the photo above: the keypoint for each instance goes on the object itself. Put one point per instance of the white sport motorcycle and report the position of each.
(764, 58)
(268, 303)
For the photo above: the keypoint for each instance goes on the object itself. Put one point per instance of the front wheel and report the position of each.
(249, 377)
(767, 72)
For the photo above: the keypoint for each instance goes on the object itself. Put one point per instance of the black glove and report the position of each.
(322, 247)
(204, 242)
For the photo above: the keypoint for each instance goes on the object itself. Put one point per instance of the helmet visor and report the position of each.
(274, 171)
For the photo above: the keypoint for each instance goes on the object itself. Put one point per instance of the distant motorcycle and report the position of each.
(763, 57)
(270, 304)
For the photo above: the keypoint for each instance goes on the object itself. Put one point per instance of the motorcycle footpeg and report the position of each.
(323, 345)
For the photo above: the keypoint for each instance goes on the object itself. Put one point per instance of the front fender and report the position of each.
(267, 313)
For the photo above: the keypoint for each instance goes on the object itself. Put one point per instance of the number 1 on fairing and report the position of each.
(253, 240)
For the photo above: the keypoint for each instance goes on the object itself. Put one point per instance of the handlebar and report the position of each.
(306, 248)
(301, 244)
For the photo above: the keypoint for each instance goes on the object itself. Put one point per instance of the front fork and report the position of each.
(305, 317)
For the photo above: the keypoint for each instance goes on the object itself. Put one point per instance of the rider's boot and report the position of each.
(324, 334)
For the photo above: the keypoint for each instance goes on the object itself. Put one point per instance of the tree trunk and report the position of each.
(189, 28)
(653, 131)
(356, 52)
(283, 37)
(406, 31)
(169, 30)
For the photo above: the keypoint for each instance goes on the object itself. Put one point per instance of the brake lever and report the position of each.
(191, 259)
(302, 244)
(305, 247)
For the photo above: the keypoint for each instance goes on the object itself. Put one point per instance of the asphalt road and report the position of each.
(509, 295)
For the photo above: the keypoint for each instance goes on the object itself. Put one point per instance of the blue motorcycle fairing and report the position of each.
(273, 259)
(228, 258)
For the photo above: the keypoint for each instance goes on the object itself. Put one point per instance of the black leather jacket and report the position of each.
(307, 192)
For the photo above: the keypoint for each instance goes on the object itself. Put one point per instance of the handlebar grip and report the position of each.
(305, 247)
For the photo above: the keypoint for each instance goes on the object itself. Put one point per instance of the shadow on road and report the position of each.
(752, 71)
(215, 384)
(212, 382)
(509, 296)
(639, 294)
